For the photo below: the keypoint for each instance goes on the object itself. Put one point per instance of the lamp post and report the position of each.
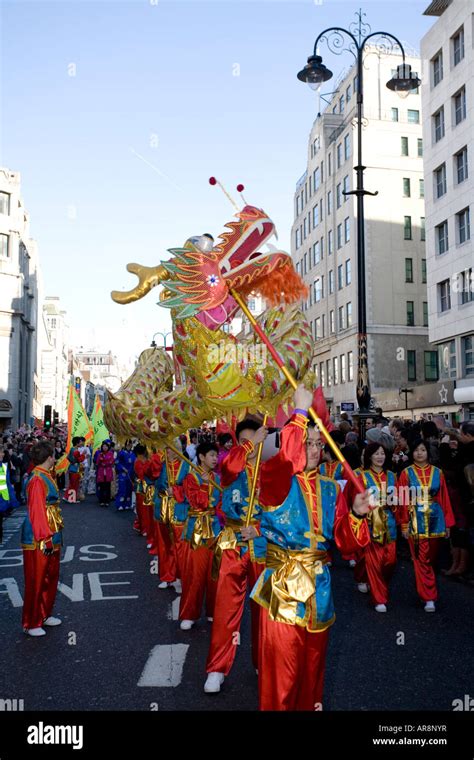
(314, 74)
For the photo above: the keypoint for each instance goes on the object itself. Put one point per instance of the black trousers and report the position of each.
(103, 492)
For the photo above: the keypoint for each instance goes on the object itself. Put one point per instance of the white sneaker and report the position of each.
(35, 631)
(119, 509)
(363, 588)
(186, 625)
(352, 563)
(52, 621)
(164, 584)
(430, 607)
(210, 619)
(178, 587)
(148, 546)
(213, 683)
(380, 608)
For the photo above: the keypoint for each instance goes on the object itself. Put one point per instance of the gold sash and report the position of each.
(54, 517)
(227, 540)
(293, 580)
(202, 531)
(149, 495)
(167, 509)
(378, 521)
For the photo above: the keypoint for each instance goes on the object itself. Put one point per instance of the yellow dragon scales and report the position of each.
(215, 374)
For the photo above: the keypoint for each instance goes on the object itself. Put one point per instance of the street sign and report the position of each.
(347, 406)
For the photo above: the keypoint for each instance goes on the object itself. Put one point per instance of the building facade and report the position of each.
(324, 240)
(19, 308)
(448, 135)
(54, 357)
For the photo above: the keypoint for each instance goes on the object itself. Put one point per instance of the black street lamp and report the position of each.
(314, 74)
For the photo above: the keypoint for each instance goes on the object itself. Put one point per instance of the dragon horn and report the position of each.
(148, 278)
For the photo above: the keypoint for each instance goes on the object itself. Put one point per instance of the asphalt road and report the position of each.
(119, 647)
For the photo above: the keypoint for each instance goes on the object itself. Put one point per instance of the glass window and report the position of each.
(329, 201)
(460, 165)
(322, 374)
(341, 318)
(317, 327)
(413, 116)
(457, 43)
(5, 203)
(318, 293)
(431, 365)
(321, 245)
(345, 187)
(468, 354)
(347, 147)
(315, 215)
(441, 232)
(339, 155)
(440, 180)
(329, 372)
(444, 293)
(331, 282)
(316, 253)
(350, 366)
(407, 228)
(335, 369)
(437, 68)
(316, 178)
(305, 265)
(410, 313)
(329, 242)
(349, 314)
(467, 286)
(329, 164)
(348, 272)
(347, 229)
(404, 141)
(447, 360)
(463, 226)
(4, 245)
(459, 104)
(340, 277)
(339, 236)
(419, 143)
(305, 228)
(406, 187)
(408, 270)
(332, 326)
(343, 368)
(422, 228)
(348, 93)
(423, 271)
(394, 114)
(422, 188)
(438, 123)
(339, 195)
(425, 313)
(411, 364)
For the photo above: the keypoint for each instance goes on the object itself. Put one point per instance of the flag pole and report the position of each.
(320, 424)
(192, 466)
(255, 478)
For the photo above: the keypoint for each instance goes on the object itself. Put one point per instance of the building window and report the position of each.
(425, 313)
(411, 362)
(335, 369)
(407, 228)
(438, 124)
(331, 282)
(339, 155)
(457, 46)
(349, 314)
(305, 228)
(341, 104)
(460, 165)
(343, 368)
(440, 180)
(431, 365)
(345, 187)
(347, 229)
(315, 215)
(348, 272)
(329, 372)
(441, 232)
(437, 68)
(422, 228)
(404, 146)
(419, 144)
(463, 226)
(347, 147)
(348, 93)
(394, 114)
(305, 265)
(338, 195)
(340, 277)
(468, 354)
(5, 203)
(423, 271)
(316, 253)
(316, 178)
(332, 325)
(322, 375)
(444, 295)
(297, 238)
(317, 327)
(406, 187)
(408, 270)
(410, 313)
(339, 236)
(422, 188)
(341, 318)
(329, 162)
(447, 360)
(413, 116)
(459, 106)
(318, 293)
(350, 366)
(323, 324)
(4, 245)
(329, 242)
(329, 201)
(321, 242)
(467, 286)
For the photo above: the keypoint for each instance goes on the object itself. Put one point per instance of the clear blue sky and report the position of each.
(155, 78)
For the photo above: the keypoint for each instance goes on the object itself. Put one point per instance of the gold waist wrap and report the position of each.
(149, 494)
(227, 540)
(54, 517)
(378, 521)
(293, 580)
(202, 531)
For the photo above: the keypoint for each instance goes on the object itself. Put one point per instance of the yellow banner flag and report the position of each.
(98, 425)
(78, 424)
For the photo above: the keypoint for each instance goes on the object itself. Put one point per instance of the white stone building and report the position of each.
(324, 239)
(448, 133)
(54, 357)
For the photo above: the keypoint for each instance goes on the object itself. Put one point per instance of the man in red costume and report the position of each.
(302, 513)
(41, 542)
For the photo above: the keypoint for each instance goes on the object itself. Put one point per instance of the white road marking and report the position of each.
(164, 666)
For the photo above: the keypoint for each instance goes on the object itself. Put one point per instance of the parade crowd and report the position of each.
(191, 502)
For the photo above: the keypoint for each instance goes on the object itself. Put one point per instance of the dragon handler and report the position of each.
(302, 512)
